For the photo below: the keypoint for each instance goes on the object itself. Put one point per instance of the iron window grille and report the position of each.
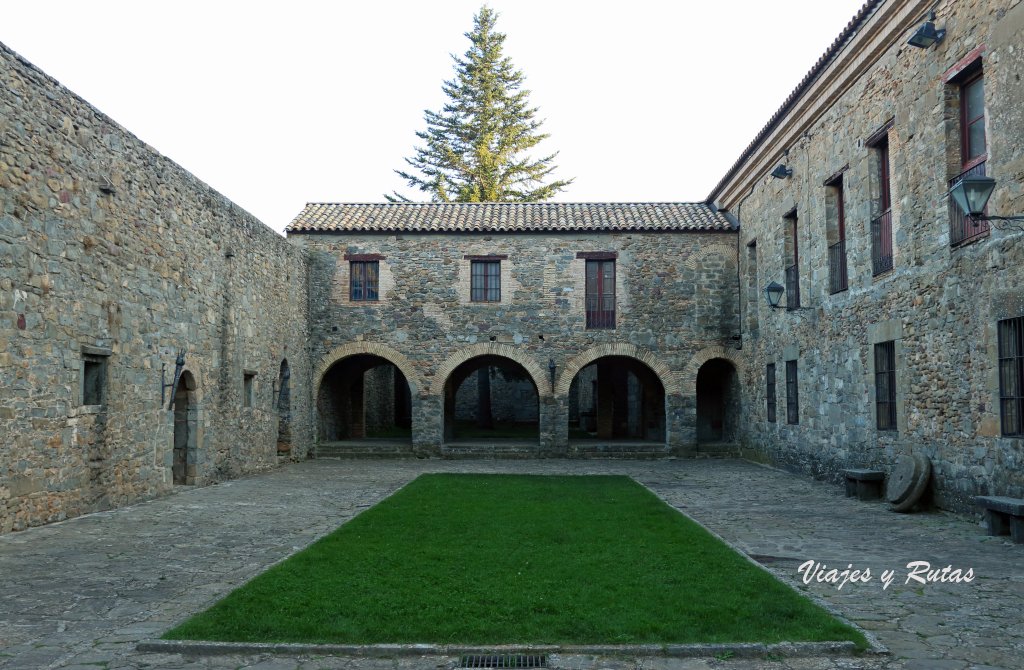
(973, 152)
(885, 385)
(485, 281)
(600, 298)
(792, 271)
(837, 274)
(770, 391)
(792, 397)
(881, 225)
(1011, 376)
(365, 281)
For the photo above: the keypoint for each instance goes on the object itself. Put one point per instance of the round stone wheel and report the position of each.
(901, 479)
(924, 468)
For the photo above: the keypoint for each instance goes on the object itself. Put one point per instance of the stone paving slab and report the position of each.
(83, 593)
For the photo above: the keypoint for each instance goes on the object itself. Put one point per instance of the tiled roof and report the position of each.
(508, 217)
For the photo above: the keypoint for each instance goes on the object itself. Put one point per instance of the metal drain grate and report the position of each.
(503, 661)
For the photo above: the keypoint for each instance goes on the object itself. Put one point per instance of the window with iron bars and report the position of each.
(792, 397)
(485, 281)
(769, 393)
(836, 233)
(973, 152)
(881, 223)
(792, 270)
(1011, 376)
(885, 385)
(600, 296)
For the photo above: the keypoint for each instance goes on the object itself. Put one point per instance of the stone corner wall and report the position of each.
(939, 304)
(112, 260)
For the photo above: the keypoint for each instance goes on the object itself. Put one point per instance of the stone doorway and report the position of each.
(491, 398)
(718, 402)
(186, 434)
(364, 397)
(283, 403)
(616, 399)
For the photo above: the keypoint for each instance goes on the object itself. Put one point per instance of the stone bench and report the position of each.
(863, 483)
(1004, 515)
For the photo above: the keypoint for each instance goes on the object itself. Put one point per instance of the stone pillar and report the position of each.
(357, 408)
(427, 424)
(605, 400)
(681, 423)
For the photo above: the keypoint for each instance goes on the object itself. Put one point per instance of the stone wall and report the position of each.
(512, 400)
(939, 304)
(112, 259)
(676, 306)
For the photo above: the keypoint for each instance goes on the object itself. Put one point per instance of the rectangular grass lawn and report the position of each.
(499, 559)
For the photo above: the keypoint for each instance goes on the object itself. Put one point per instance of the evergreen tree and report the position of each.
(476, 148)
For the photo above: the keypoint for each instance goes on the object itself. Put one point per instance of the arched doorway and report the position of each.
(184, 466)
(284, 409)
(488, 398)
(616, 398)
(718, 402)
(362, 397)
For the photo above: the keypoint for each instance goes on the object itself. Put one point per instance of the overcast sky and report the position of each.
(279, 104)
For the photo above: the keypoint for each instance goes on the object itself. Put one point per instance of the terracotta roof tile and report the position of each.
(508, 217)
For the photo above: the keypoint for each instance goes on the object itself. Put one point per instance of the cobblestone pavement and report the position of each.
(81, 593)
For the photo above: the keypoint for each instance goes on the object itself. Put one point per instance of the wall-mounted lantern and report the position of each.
(179, 365)
(926, 35)
(782, 172)
(773, 294)
(971, 195)
(551, 370)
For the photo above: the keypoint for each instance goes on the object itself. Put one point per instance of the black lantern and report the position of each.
(782, 172)
(971, 194)
(773, 293)
(551, 370)
(926, 35)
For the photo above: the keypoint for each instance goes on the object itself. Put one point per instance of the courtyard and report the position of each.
(83, 593)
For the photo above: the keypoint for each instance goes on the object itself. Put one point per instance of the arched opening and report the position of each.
(718, 402)
(364, 397)
(184, 466)
(283, 403)
(616, 398)
(491, 398)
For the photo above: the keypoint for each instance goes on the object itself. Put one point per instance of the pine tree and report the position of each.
(477, 148)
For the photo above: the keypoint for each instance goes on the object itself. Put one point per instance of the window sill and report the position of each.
(970, 240)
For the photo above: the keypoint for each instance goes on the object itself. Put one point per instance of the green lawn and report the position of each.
(490, 559)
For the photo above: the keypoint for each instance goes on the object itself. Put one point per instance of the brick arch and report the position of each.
(721, 249)
(689, 376)
(668, 378)
(491, 349)
(374, 349)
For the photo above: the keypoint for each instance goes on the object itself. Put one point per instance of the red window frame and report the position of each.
(968, 161)
(600, 293)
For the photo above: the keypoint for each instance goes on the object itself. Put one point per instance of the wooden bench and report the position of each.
(863, 483)
(1004, 516)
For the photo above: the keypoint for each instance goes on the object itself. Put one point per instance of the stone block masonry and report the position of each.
(112, 259)
(940, 303)
(675, 307)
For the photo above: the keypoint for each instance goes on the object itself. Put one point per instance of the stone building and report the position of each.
(113, 259)
(900, 313)
(633, 297)
(599, 329)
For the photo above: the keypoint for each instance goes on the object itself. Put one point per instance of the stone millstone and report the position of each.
(902, 479)
(923, 473)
